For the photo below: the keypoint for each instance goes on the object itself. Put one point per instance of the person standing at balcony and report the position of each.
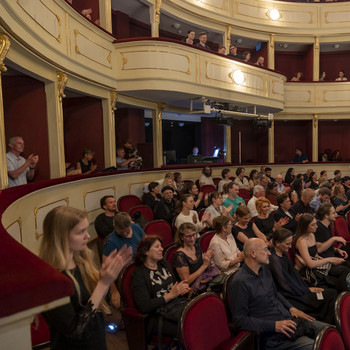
(300, 157)
(233, 52)
(202, 41)
(19, 170)
(341, 76)
(190, 37)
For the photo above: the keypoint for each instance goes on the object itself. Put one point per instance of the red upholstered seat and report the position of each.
(145, 211)
(341, 228)
(188, 181)
(125, 203)
(329, 339)
(40, 332)
(243, 193)
(216, 181)
(162, 229)
(342, 320)
(207, 189)
(347, 217)
(169, 253)
(204, 240)
(204, 326)
(226, 298)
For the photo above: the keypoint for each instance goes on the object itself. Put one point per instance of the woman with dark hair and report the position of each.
(272, 192)
(254, 178)
(296, 189)
(225, 174)
(184, 208)
(178, 182)
(290, 177)
(245, 228)
(199, 199)
(311, 182)
(189, 262)
(293, 287)
(307, 257)
(153, 285)
(216, 208)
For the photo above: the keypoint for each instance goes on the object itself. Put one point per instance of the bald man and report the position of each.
(302, 206)
(257, 306)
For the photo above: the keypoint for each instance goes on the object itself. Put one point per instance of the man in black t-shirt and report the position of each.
(104, 221)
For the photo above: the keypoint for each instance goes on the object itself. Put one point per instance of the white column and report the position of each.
(315, 138)
(271, 142)
(158, 136)
(228, 145)
(271, 53)
(154, 12)
(105, 10)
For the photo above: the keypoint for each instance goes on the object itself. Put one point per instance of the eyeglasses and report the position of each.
(191, 236)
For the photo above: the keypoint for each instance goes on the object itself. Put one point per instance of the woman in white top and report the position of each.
(216, 208)
(225, 174)
(184, 207)
(227, 256)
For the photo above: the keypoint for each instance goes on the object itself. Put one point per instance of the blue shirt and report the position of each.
(116, 242)
(255, 302)
(300, 159)
(315, 203)
(227, 202)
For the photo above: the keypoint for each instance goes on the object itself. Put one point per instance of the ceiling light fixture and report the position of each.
(274, 14)
(238, 77)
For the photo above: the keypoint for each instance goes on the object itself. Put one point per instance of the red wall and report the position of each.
(212, 135)
(334, 135)
(254, 142)
(333, 62)
(25, 115)
(83, 128)
(289, 135)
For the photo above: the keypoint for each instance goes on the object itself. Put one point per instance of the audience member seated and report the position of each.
(70, 170)
(222, 49)
(280, 187)
(302, 206)
(298, 76)
(203, 41)
(323, 177)
(169, 182)
(311, 182)
(246, 56)
(254, 178)
(19, 170)
(325, 241)
(265, 221)
(179, 184)
(225, 174)
(122, 162)
(241, 181)
(337, 176)
(226, 256)
(346, 185)
(189, 262)
(190, 37)
(200, 200)
(245, 228)
(260, 61)
(194, 157)
(184, 208)
(257, 306)
(307, 257)
(324, 194)
(264, 180)
(262, 171)
(233, 52)
(335, 157)
(296, 189)
(206, 178)
(341, 76)
(272, 192)
(283, 211)
(216, 208)
(104, 222)
(258, 192)
(268, 172)
(85, 164)
(340, 201)
(165, 208)
(153, 196)
(290, 177)
(80, 323)
(300, 157)
(132, 152)
(153, 285)
(307, 175)
(125, 233)
(323, 76)
(317, 302)
(233, 198)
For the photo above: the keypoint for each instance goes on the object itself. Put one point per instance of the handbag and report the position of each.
(317, 274)
(201, 283)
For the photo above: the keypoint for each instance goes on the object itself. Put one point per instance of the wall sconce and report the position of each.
(238, 77)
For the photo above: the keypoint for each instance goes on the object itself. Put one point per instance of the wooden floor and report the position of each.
(117, 340)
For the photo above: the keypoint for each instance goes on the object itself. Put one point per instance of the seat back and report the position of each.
(162, 229)
(328, 339)
(40, 333)
(203, 323)
(226, 296)
(169, 253)
(145, 211)
(347, 217)
(216, 181)
(286, 185)
(341, 228)
(207, 189)
(124, 285)
(342, 321)
(243, 193)
(204, 240)
(126, 202)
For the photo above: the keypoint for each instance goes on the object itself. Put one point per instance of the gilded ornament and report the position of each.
(61, 84)
(4, 47)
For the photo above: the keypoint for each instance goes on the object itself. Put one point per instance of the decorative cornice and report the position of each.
(4, 47)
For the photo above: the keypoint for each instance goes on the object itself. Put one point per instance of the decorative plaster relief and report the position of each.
(92, 198)
(297, 96)
(336, 96)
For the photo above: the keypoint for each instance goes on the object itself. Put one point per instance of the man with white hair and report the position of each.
(280, 187)
(258, 191)
(257, 306)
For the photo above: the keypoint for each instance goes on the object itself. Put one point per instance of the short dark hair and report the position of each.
(280, 235)
(190, 31)
(323, 172)
(268, 169)
(224, 172)
(323, 210)
(103, 200)
(213, 195)
(122, 220)
(281, 198)
(165, 188)
(202, 33)
(152, 185)
(325, 191)
(239, 170)
(219, 222)
(143, 247)
(242, 210)
(336, 172)
(87, 151)
(207, 166)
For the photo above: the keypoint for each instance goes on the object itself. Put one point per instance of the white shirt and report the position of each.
(222, 183)
(214, 213)
(181, 218)
(242, 184)
(252, 207)
(206, 180)
(224, 252)
(14, 163)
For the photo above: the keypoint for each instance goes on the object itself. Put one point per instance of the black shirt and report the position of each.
(249, 232)
(104, 225)
(150, 200)
(300, 208)
(322, 235)
(165, 210)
